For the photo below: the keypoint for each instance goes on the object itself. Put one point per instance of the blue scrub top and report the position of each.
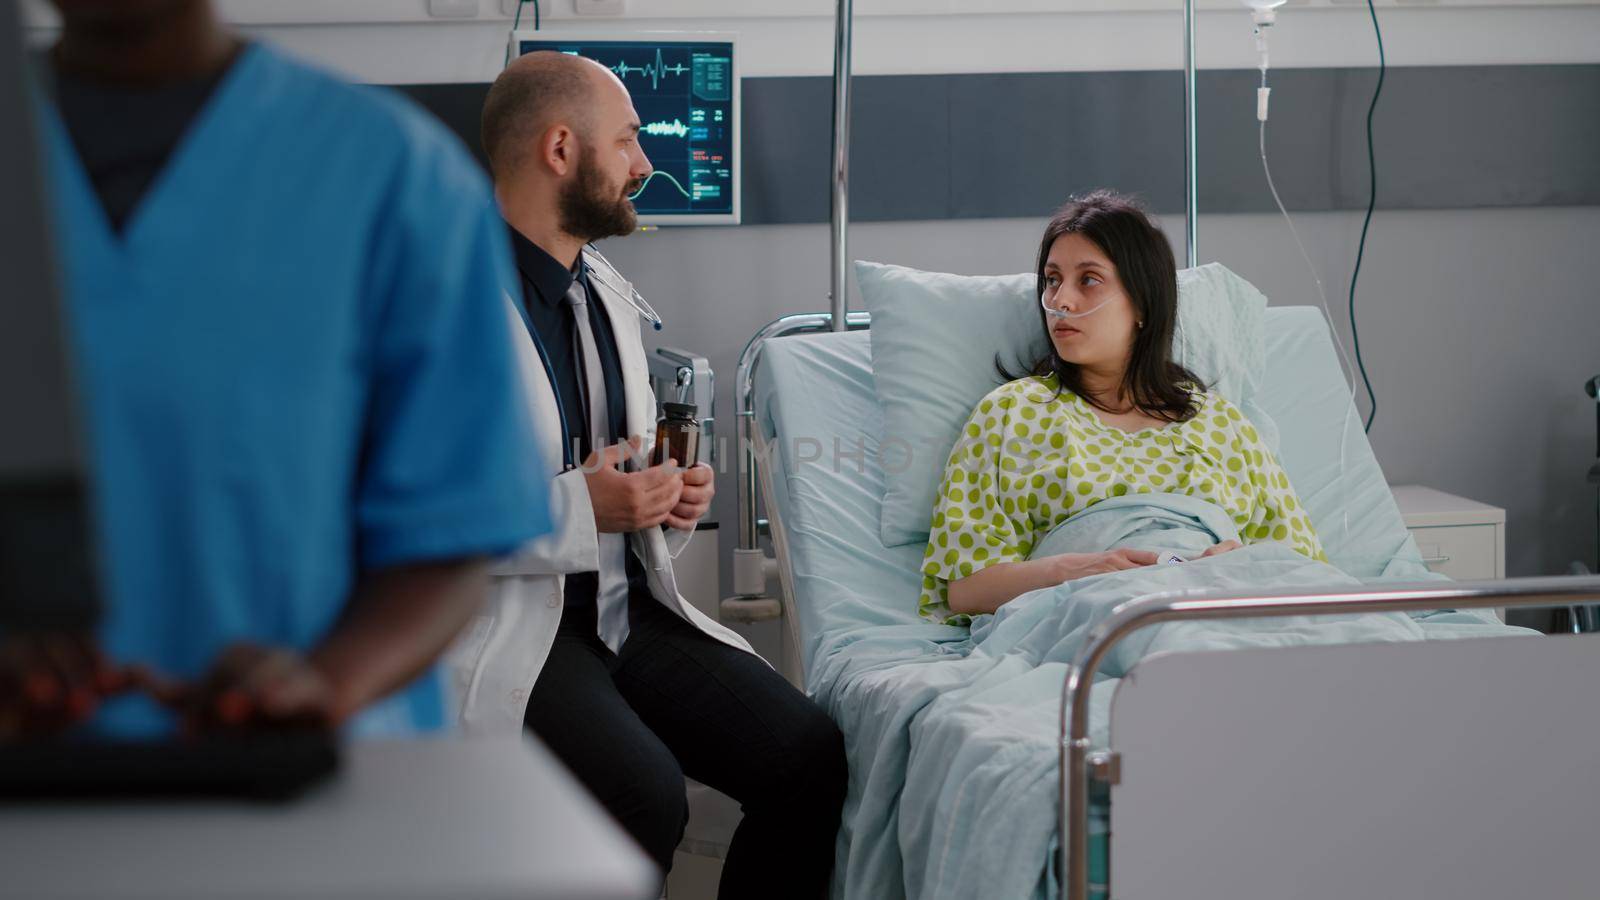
(296, 367)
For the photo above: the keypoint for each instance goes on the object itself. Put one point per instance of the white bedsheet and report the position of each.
(874, 664)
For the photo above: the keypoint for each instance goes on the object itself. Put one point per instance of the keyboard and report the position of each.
(265, 768)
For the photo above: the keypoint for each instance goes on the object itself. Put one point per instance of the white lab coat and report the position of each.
(492, 666)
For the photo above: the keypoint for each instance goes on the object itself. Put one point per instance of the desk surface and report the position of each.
(480, 819)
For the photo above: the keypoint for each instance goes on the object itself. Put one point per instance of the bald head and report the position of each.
(535, 93)
(563, 139)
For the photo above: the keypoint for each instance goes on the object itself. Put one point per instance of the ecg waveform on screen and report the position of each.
(675, 128)
(652, 71)
(660, 174)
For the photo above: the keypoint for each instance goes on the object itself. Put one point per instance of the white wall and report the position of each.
(1479, 326)
(394, 41)
(443, 52)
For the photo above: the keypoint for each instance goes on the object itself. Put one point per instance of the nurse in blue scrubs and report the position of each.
(286, 295)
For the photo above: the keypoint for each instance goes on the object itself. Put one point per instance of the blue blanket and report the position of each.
(952, 734)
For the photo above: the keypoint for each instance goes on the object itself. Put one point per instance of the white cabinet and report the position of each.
(1461, 538)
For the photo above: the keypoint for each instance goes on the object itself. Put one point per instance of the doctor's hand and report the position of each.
(630, 501)
(698, 489)
(50, 682)
(254, 688)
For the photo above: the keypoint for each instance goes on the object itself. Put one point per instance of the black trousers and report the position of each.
(676, 702)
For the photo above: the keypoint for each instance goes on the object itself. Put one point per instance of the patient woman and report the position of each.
(1105, 413)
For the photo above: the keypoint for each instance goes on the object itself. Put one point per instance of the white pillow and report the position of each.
(934, 341)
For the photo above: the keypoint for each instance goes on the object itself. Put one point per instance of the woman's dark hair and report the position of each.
(1125, 234)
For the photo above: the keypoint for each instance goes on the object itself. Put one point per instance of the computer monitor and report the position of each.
(46, 574)
(685, 87)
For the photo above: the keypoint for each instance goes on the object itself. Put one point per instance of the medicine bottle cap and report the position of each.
(679, 410)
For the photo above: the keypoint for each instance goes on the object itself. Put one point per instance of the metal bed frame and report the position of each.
(1080, 767)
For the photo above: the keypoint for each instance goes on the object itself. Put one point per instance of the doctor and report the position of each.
(587, 641)
(279, 289)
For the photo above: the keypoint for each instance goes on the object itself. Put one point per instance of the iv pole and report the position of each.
(838, 246)
(839, 219)
(1191, 170)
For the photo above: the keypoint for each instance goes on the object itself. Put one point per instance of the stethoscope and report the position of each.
(567, 464)
(640, 306)
(620, 286)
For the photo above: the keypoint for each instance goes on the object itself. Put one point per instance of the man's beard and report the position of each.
(590, 210)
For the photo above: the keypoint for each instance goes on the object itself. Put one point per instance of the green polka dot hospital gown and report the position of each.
(1031, 457)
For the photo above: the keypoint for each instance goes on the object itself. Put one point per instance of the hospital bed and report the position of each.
(1438, 768)
(1421, 769)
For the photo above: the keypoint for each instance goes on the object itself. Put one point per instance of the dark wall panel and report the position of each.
(1005, 145)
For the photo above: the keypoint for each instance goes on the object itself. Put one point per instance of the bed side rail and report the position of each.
(1076, 762)
(751, 566)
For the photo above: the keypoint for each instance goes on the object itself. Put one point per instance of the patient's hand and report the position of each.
(1070, 566)
(985, 590)
(1219, 549)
